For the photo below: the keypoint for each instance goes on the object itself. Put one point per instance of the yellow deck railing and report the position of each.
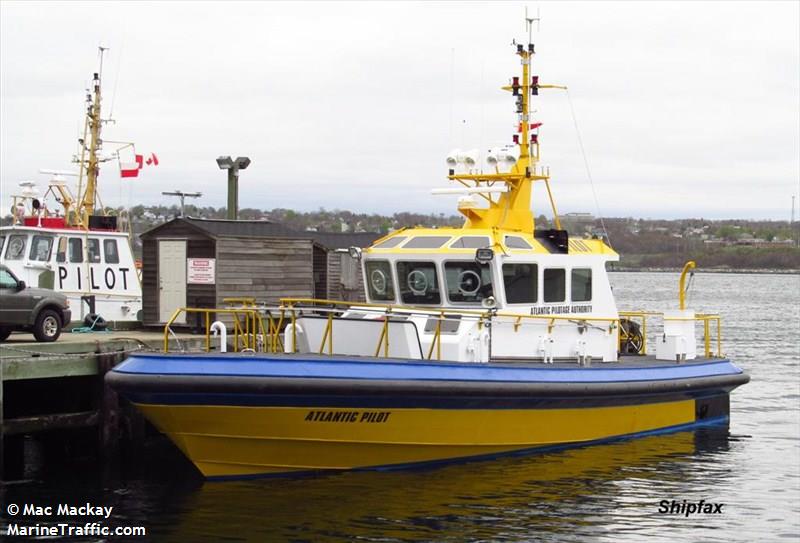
(292, 306)
(261, 328)
(706, 319)
(248, 325)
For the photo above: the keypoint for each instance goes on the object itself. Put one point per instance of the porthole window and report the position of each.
(379, 281)
(418, 283)
(468, 282)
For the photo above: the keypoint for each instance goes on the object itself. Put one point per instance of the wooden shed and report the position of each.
(190, 262)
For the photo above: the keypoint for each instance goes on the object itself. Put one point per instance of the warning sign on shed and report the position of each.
(201, 271)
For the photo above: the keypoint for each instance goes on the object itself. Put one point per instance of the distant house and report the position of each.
(189, 262)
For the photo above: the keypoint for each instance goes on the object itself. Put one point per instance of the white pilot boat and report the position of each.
(67, 243)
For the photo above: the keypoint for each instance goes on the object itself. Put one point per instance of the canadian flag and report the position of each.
(131, 169)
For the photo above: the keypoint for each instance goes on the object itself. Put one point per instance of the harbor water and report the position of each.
(611, 492)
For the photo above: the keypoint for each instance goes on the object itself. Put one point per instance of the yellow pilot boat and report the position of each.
(496, 338)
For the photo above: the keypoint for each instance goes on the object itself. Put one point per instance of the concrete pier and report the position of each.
(58, 387)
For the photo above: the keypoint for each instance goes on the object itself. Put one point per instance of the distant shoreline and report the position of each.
(709, 270)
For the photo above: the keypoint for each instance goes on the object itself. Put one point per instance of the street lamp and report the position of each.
(180, 194)
(233, 167)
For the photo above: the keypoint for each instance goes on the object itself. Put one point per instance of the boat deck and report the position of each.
(624, 361)
(627, 362)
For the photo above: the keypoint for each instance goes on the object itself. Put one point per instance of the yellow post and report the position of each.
(439, 337)
(682, 294)
(166, 327)
(644, 334)
(294, 331)
(706, 336)
(386, 339)
(330, 334)
(264, 333)
(380, 339)
(208, 336)
(277, 337)
(235, 333)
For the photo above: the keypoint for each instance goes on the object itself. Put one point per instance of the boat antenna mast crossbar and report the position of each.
(512, 210)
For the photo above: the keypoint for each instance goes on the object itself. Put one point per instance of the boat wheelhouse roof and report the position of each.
(61, 231)
(467, 240)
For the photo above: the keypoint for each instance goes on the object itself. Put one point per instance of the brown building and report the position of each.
(189, 262)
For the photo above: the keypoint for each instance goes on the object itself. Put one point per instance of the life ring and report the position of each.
(417, 282)
(466, 278)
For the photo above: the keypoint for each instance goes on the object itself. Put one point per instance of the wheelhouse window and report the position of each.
(379, 281)
(521, 283)
(516, 242)
(470, 242)
(418, 282)
(390, 243)
(16, 247)
(2, 243)
(93, 250)
(468, 282)
(555, 285)
(75, 250)
(582, 285)
(426, 242)
(110, 251)
(61, 250)
(40, 248)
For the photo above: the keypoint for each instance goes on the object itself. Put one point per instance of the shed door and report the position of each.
(171, 279)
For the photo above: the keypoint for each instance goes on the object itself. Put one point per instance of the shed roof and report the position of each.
(343, 240)
(217, 228)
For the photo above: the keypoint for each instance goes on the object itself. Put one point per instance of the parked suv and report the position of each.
(38, 310)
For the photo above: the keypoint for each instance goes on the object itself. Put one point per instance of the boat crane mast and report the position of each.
(512, 210)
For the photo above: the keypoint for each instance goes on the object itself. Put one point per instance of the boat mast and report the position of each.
(512, 210)
(90, 166)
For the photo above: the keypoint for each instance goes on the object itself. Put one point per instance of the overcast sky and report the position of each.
(686, 109)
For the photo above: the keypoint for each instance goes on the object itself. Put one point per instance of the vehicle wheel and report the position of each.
(48, 326)
(4, 333)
